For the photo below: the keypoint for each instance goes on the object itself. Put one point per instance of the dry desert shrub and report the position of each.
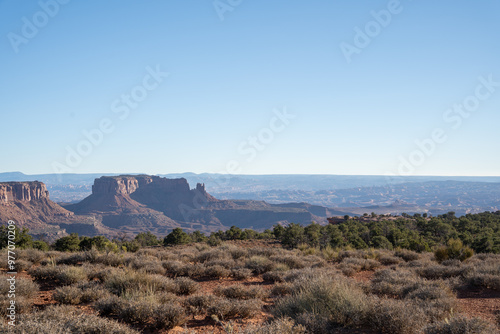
(111, 305)
(65, 319)
(68, 295)
(241, 273)
(225, 308)
(126, 281)
(24, 287)
(239, 291)
(292, 261)
(199, 304)
(234, 251)
(396, 316)
(186, 286)
(70, 275)
(226, 263)
(388, 260)
(392, 282)
(167, 316)
(34, 256)
(216, 272)
(440, 271)
(85, 292)
(278, 326)
(147, 264)
(324, 300)
(66, 275)
(461, 325)
(282, 289)
(407, 255)
(212, 255)
(351, 265)
(274, 276)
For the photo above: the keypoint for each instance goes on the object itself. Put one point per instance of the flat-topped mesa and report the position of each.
(22, 191)
(127, 184)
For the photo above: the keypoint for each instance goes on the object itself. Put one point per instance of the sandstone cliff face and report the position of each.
(126, 185)
(28, 204)
(22, 191)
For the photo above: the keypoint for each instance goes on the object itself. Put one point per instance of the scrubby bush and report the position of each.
(274, 276)
(217, 272)
(186, 286)
(325, 300)
(241, 273)
(259, 264)
(395, 316)
(68, 295)
(128, 281)
(278, 326)
(70, 275)
(167, 316)
(199, 304)
(454, 250)
(239, 291)
(110, 305)
(24, 287)
(460, 325)
(65, 319)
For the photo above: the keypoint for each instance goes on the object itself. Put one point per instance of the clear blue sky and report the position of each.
(228, 77)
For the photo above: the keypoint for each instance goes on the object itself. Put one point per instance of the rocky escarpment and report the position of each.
(138, 203)
(28, 204)
(22, 191)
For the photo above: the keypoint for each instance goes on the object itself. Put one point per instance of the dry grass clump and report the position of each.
(440, 271)
(111, 305)
(485, 272)
(241, 273)
(34, 256)
(274, 276)
(278, 326)
(127, 281)
(388, 260)
(24, 287)
(392, 282)
(199, 304)
(216, 272)
(259, 264)
(147, 264)
(460, 325)
(292, 261)
(324, 302)
(64, 274)
(186, 286)
(239, 291)
(26, 290)
(82, 293)
(70, 275)
(396, 316)
(282, 289)
(167, 316)
(351, 265)
(225, 308)
(161, 312)
(65, 319)
(407, 255)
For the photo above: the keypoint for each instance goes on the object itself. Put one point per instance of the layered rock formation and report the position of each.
(151, 203)
(22, 191)
(28, 204)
